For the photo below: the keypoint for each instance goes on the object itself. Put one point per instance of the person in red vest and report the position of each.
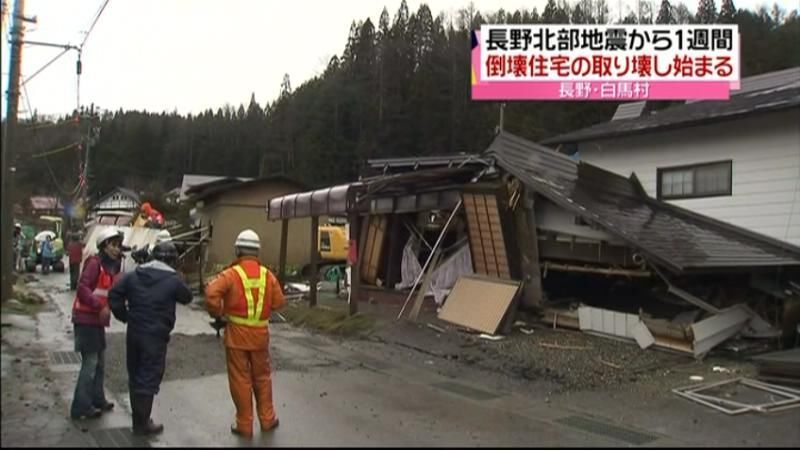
(154, 216)
(75, 252)
(245, 294)
(91, 315)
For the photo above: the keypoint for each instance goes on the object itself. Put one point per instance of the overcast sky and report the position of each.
(191, 55)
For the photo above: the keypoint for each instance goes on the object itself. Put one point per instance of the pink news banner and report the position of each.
(503, 67)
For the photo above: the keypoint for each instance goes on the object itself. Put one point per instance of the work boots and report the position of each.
(143, 425)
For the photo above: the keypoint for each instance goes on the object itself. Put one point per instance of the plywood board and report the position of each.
(373, 249)
(486, 235)
(479, 303)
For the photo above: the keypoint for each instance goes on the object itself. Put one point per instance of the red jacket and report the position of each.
(75, 251)
(86, 286)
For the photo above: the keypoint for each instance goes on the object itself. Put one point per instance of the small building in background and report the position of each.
(119, 199)
(41, 205)
(228, 207)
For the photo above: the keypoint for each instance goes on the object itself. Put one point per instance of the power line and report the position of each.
(56, 151)
(47, 162)
(50, 125)
(45, 66)
(96, 18)
(79, 64)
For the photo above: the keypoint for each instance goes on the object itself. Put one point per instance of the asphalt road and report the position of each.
(327, 394)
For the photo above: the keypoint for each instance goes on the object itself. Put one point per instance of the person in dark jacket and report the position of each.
(90, 316)
(145, 299)
(75, 251)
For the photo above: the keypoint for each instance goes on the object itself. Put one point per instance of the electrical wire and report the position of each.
(55, 151)
(46, 65)
(79, 68)
(69, 193)
(96, 18)
(50, 125)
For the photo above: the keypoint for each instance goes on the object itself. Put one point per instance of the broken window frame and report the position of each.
(696, 181)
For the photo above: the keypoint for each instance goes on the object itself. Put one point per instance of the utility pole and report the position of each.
(91, 136)
(12, 104)
(88, 155)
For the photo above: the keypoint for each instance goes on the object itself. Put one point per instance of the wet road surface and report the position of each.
(329, 394)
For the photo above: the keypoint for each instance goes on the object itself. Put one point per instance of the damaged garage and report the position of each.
(582, 248)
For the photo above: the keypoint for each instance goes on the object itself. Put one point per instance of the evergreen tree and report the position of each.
(665, 13)
(706, 11)
(727, 12)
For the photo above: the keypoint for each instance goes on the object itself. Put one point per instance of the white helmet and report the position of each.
(247, 239)
(106, 234)
(163, 236)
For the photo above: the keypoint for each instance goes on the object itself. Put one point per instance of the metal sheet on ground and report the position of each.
(605, 429)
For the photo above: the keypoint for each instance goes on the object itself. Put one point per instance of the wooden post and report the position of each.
(312, 294)
(355, 271)
(430, 257)
(201, 260)
(525, 221)
(282, 257)
(426, 283)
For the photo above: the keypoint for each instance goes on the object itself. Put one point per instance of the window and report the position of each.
(325, 241)
(699, 180)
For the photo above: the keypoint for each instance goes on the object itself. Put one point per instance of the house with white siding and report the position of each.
(119, 199)
(737, 161)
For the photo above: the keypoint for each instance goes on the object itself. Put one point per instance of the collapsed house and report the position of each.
(588, 249)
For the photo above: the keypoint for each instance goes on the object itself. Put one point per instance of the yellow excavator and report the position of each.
(333, 244)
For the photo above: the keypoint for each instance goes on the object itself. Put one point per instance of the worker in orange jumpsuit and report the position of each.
(245, 294)
(154, 217)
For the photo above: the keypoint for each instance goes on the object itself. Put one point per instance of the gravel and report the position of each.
(188, 356)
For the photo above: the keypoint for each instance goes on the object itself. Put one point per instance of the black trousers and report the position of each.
(74, 271)
(146, 360)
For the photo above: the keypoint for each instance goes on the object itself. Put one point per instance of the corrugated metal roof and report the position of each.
(336, 200)
(329, 201)
(205, 191)
(770, 80)
(423, 161)
(677, 238)
(190, 180)
(763, 93)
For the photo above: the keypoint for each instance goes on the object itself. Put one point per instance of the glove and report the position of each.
(218, 324)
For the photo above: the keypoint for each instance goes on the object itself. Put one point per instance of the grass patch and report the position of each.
(328, 320)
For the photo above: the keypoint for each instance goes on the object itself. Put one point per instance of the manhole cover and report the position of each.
(466, 391)
(118, 438)
(605, 429)
(65, 358)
